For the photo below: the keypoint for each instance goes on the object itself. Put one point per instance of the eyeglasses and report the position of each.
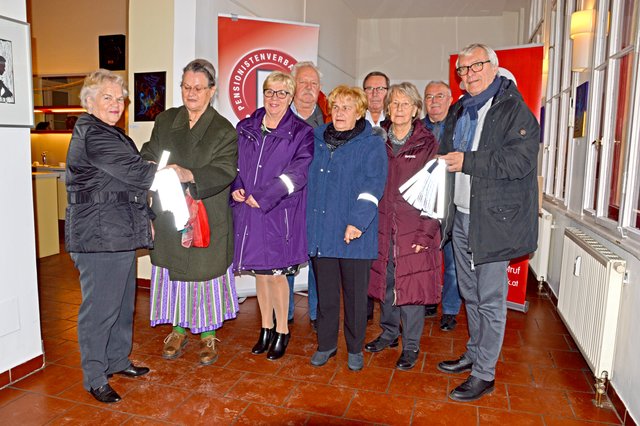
(400, 105)
(437, 97)
(380, 89)
(280, 94)
(343, 108)
(198, 89)
(475, 67)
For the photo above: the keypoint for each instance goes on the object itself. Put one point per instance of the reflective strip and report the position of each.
(368, 197)
(287, 182)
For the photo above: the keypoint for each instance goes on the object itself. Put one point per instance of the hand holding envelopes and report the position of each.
(170, 191)
(426, 189)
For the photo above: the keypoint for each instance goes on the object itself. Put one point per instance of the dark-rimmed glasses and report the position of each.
(280, 94)
(475, 67)
(380, 89)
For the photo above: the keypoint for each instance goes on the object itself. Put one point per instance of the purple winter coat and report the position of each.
(273, 168)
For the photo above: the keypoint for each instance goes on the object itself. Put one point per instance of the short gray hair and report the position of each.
(303, 64)
(94, 81)
(438, 82)
(203, 66)
(407, 89)
(493, 58)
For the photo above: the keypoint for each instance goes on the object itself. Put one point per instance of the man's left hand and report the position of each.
(454, 161)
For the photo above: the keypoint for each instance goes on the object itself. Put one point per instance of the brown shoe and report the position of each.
(208, 351)
(173, 345)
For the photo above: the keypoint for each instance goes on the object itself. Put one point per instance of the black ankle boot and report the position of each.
(278, 346)
(264, 340)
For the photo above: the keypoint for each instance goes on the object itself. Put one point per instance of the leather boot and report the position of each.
(264, 340)
(278, 346)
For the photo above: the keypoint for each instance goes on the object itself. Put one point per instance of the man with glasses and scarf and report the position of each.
(490, 142)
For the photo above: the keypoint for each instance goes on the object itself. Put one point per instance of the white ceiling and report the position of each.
(377, 9)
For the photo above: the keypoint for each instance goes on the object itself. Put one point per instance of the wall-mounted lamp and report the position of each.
(582, 27)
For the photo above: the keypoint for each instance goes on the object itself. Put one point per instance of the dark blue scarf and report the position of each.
(466, 125)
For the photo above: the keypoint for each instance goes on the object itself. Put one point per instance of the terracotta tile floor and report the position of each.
(541, 379)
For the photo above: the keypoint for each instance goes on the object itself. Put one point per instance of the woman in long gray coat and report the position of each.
(194, 287)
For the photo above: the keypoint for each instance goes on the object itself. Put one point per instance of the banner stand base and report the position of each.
(518, 307)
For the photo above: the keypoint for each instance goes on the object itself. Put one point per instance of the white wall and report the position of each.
(418, 49)
(19, 314)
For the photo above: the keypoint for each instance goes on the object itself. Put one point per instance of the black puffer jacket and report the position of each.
(107, 184)
(504, 184)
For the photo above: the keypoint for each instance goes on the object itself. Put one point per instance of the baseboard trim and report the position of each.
(21, 371)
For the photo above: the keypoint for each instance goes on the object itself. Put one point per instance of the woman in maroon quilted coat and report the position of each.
(408, 272)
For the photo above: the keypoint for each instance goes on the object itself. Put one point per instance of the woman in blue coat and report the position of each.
(346, 180)
(275, 148)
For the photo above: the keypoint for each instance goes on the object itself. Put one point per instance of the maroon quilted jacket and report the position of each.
(418, 275)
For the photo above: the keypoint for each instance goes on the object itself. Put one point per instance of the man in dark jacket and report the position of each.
(490, 141)
(437, 100)
(307, 105)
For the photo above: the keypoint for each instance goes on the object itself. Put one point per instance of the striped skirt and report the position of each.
(197, 305)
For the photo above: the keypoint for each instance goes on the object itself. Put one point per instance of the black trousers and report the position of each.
(352, 275)
(105, 319)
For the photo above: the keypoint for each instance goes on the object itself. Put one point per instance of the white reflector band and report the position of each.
(287, 182)
(368, 197)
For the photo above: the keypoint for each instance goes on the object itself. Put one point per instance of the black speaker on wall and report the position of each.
(112, 52)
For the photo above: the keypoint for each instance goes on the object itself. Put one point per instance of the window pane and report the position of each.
(626, 36)
(597, 145)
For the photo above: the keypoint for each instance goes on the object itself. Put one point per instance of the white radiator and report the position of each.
(590, 288)
(539, 262)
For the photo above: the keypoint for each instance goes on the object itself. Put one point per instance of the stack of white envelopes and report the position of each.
(426, 190)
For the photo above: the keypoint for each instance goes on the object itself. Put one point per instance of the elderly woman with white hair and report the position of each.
(107, 219)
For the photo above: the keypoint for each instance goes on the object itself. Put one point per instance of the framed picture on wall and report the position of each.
(149, 95)
(16, 84)
(112, 51)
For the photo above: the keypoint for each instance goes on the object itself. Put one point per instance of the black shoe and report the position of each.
(448, 322)
(407, 360)
(314, 325)
(290, 320)
(132, 371)
(473, 388)
(456, 366)
(106, 394)
(278, 346)
(264, 340)
(430, 311)
(378, 344)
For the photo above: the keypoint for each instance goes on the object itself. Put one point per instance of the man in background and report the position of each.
(306, 105)
(375, 85)
(437, 100)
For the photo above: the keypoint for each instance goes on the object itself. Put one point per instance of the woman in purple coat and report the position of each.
(275, 148)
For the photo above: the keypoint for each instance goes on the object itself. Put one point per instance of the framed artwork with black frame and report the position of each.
(16, 81)
(112, 51)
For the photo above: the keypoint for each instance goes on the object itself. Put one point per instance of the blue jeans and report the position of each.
(450, 294)
(312, 294)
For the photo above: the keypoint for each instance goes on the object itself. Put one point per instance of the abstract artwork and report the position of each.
(149, 95)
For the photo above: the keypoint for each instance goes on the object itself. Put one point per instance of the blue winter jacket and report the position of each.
(273, 168)
(344, 188)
